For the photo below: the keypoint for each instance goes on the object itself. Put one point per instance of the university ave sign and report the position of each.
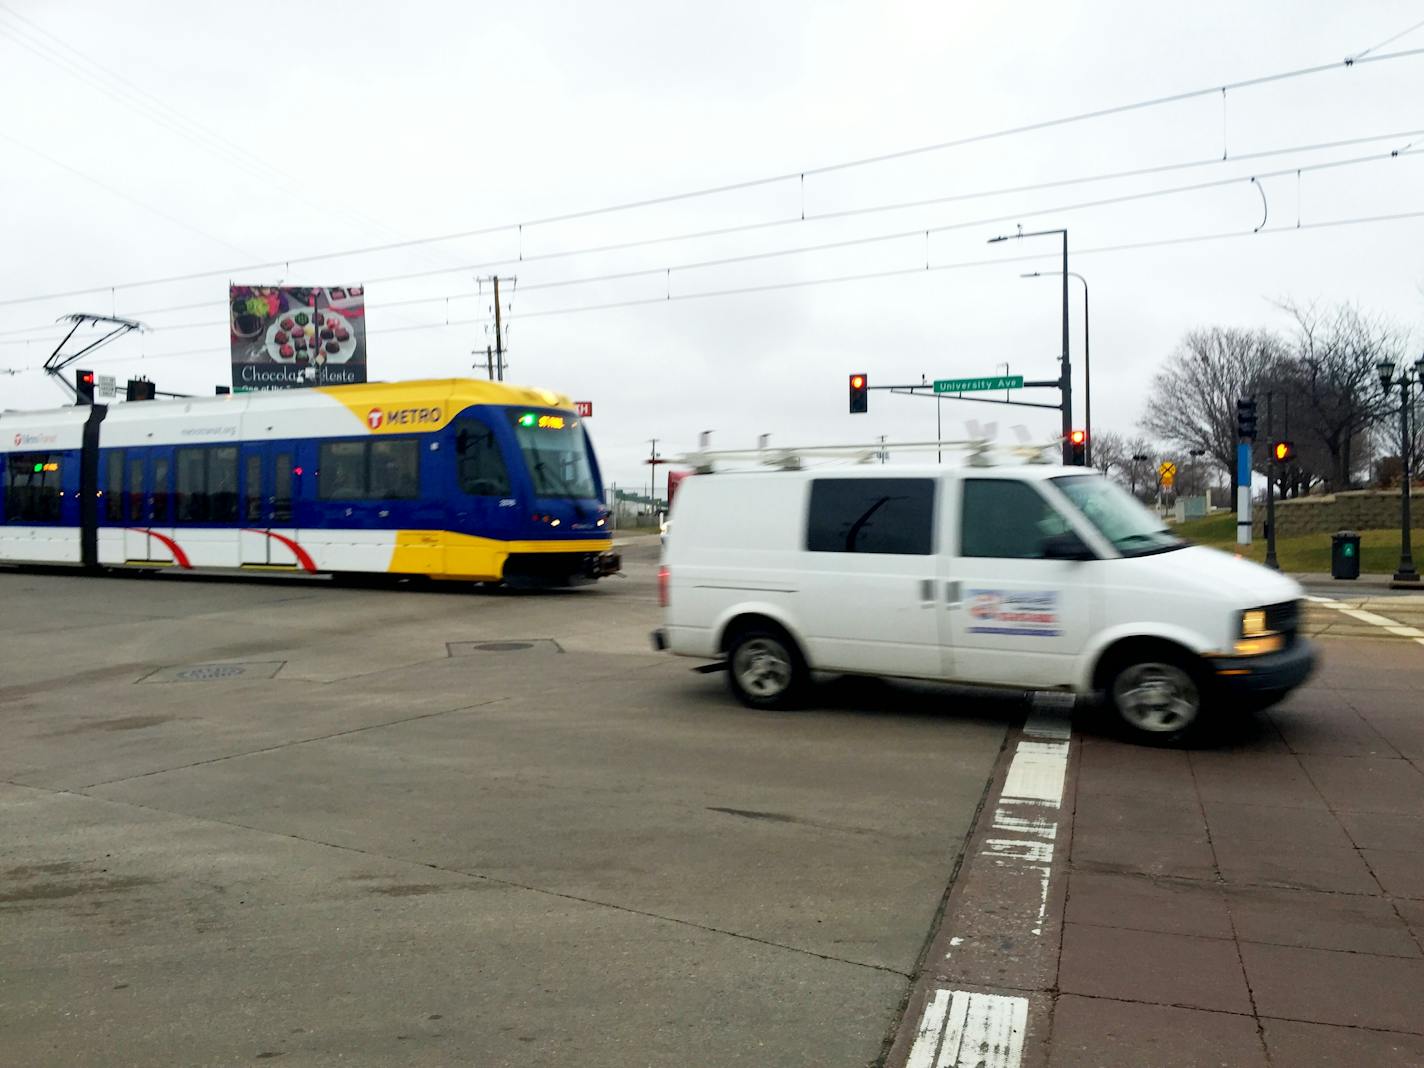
(976, 385)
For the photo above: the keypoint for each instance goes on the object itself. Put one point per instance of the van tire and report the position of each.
(764, 668)
(1157, 697)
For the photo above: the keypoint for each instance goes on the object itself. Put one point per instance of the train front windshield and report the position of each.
(556, 451)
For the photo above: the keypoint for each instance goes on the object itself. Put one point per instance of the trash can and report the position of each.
(1345, 555)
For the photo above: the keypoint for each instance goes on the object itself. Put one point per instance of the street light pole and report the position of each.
(1406, 571)
(1087, 363)
(1065, 376)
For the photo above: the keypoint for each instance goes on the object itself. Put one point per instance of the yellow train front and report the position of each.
(455, 479)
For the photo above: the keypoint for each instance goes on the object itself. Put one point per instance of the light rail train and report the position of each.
(453, 479)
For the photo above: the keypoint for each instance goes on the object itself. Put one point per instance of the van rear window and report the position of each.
(871, 515)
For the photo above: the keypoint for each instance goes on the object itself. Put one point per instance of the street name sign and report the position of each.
(977, 385)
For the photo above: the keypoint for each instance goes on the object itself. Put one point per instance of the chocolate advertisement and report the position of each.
(293, 337)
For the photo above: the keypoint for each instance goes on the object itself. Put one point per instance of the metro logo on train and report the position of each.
(455, 479)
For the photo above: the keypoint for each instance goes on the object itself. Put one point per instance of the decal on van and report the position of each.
(1032, 613)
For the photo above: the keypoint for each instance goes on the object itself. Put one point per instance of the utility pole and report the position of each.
(498, 332)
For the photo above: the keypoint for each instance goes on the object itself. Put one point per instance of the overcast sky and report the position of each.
(272, 131)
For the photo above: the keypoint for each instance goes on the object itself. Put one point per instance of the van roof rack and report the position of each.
(982, 453)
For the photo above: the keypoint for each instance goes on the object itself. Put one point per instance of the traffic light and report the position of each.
(859, 394)
(1283, 452)
(140, 389)
(1078, 442)
(83, 387)
(1246, 419)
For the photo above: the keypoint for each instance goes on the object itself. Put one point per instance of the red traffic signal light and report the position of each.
(1283, 452)
(1078, 437)
(859, 394)
(83, 387)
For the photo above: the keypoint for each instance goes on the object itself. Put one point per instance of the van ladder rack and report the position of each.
(982, 453)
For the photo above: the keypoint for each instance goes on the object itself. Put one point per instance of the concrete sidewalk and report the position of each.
(1257, 903)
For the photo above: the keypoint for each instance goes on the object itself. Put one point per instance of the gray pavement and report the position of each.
(251, 820)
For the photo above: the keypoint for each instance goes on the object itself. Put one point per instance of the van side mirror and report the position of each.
(1066, 546)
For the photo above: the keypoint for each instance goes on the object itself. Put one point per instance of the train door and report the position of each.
(269, 538)
(161, 542)
(147, 505)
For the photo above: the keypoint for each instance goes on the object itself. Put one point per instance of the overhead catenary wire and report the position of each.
(864, 276)
(1388, 40)
(1057, 209)
(795, 175)
(28, 34)
(950, 198)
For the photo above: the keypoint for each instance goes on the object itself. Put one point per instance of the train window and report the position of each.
(482, 471)
(342, 473)
(133, 513)
(162, 491)
(32, 492)
(282, 490)
(253, 489)
(395, 469)
(222, 483)
(192, 492)
(114, 487)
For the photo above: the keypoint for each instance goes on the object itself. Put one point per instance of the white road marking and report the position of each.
(976, 1031)
(1396, 628)
(1036, 773)
(1367, 617)
(930, 1031)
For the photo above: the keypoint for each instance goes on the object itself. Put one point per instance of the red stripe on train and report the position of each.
(179, 556)
(303, 558)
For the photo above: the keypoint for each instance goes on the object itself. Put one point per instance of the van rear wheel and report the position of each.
(1158, 699)
(765, 669)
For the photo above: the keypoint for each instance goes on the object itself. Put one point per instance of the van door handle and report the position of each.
(952, 595)
(927, 590)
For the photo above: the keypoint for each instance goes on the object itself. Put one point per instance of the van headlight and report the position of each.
(1256, 638)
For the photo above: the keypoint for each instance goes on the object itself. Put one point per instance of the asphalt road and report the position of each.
(273, 820)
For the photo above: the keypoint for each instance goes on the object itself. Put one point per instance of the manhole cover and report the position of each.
(259, 669)
(547, 645)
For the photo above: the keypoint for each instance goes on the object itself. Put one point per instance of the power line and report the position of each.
(122, 195)
(917, 232)
(1388, 40)
(958, 197)
(805, 283)
(40, 42)
(800, 175)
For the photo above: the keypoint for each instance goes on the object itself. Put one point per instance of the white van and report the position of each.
(1032, 577)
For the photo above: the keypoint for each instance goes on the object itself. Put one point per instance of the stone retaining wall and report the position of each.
(1356, 510)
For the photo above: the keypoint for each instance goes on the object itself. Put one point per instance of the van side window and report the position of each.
(871, 515)
(1005, 519)
(482, 471)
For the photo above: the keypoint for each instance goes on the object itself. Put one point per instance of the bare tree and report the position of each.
(1110, 455)
(1332, 387)
(1193, 402)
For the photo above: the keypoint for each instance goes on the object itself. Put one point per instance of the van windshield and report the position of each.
(1132, 529)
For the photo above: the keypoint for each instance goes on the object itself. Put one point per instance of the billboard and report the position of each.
(289, 337)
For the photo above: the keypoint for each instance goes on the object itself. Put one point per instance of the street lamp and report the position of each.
(1137, 458)
(1087, 360)
(1065, 378)
(1405, 572)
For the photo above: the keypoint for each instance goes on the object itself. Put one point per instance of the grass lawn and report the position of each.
(1379, 549)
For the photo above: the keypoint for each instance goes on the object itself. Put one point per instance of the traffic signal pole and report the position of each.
(1271, 488)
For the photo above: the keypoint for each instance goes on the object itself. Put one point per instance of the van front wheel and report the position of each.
(765, 669)
(1157, 699)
